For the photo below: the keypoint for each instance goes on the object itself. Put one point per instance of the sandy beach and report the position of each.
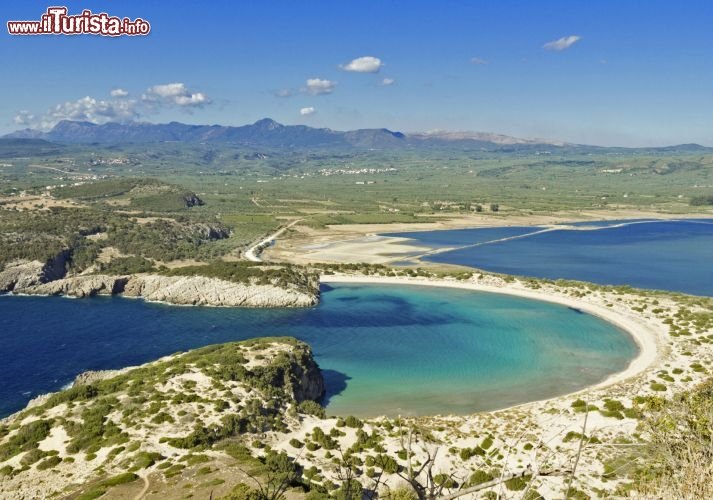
(538, 437)
(648, 335)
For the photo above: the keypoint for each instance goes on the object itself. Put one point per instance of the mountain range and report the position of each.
(267, 133)
(263, 133)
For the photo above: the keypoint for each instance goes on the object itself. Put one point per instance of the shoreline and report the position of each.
(524, 431)
(647, 336)
(369, 243)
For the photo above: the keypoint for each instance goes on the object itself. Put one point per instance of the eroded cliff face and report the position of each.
(305, 377)
(21, 274)
(198, 290)
(31, 278)
(79, 286)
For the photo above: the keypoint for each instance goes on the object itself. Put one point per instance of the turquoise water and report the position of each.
(383, 349)
(664, 255)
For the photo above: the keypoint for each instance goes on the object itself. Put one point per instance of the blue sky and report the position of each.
(640, 73)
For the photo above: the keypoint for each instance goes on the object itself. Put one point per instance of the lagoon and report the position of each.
(384, 349)
(673, 255)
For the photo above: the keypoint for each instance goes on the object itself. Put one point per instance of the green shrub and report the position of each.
(32, 456)
(173, 470)
(386, 463)
(144, 459)
(25, 439)
(100, 489)
(242, 491)
(49, 463)
(195, 459)
(124, 478)
(467, 453)
(310, 407)
(402, 493)
(479, 477)
(518, 483)
(162, 417)
(127, 265)
(613, 405)
(353, 422)
(445, 480)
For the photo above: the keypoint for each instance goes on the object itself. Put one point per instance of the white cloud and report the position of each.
(366, 64)
(478, 61)
(168, 89)
(387, 81)
(309, 110)
(86, 109)
(562, 44)
(175, 94)
(119, 109)
(284, 93)
(24, 118)
(317, 86)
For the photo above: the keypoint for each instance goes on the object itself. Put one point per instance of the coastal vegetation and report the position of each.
(81, 234)
(698, 201)
(238, 417)
(284, 275)
(243, 420)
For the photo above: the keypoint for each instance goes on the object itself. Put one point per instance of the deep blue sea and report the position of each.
(383, 349)
(665, 255)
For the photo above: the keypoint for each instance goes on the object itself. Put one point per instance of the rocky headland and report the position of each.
(35, 278)
(114, 427)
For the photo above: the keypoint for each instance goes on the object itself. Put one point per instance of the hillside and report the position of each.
(112, 428)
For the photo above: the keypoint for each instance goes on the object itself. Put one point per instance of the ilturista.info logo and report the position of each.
(56, 21)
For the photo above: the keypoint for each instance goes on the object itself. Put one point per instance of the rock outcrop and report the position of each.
(305, 376)
(198, 290)
(23, 274)
(79, 286)
(93, 376)
(28, 278)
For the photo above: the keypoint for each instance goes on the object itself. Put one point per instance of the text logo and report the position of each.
(56, 21)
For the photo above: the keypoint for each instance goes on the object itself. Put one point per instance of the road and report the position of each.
(253, 253)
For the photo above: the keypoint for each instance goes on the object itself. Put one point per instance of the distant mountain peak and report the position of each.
(267, 124)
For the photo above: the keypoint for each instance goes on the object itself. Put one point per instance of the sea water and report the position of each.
(664, 255)
(383, 349)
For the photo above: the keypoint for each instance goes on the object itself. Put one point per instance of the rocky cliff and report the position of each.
(198, 290)
(30, 278)
(78, 286)
(21, 274)
(305, 376)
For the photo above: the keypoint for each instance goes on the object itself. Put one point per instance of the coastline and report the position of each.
(174, 290)
(369, 243)
(524, 432)
(648, 336)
